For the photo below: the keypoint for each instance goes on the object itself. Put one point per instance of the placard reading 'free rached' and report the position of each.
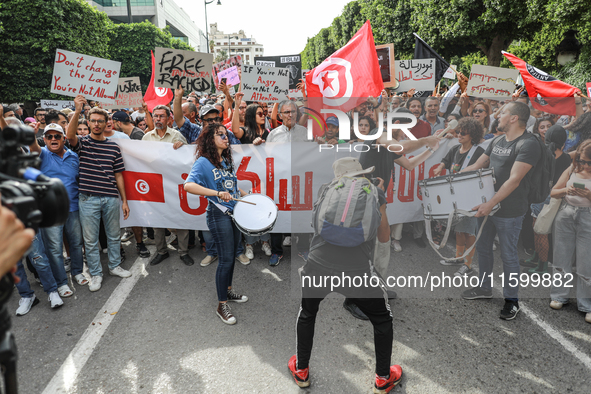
(129, 94)
(187, 69)
(265, 83)
(92, 77)
(488, 81)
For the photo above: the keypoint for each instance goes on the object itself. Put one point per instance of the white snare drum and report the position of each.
(445, 194)
(256, 219)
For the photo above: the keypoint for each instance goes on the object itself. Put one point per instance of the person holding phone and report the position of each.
(572, 232)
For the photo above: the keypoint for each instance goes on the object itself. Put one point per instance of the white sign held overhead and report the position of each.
(488, 81)
(418, 74)
(260, 83)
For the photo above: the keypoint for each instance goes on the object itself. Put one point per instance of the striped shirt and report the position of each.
(99, 161)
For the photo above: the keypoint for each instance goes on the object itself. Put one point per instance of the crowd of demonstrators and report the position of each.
(486, 137)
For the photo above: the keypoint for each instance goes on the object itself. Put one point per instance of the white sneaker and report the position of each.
(120, 272)
(249, 252)
(396, 245)
(556, 304)
(208, 260)
(25, 304)
(55, 300)
(588, 317)
(243, 259)
(267, 248)
(287, 241)
(127, 235)
(105, 251)
(65, 291)
(67, 264)
(95, 283)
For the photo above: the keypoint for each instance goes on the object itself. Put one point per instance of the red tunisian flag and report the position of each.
(143, 186)
(156, 96)
(351, 72)
(546, 93)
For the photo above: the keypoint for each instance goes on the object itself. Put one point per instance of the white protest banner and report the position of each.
(260, 83)
(155, 174)
(231, 75)
(58, 105)
(450, 73)
(92, 77)
(225, 64)
(417, 73)
(488, 81)
(187, 69)
(129, 94)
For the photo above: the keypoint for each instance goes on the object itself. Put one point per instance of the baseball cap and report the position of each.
(54, 127)
(29, 119)
(349, 166)
(207, 109)
(121, 116)
(333, 120)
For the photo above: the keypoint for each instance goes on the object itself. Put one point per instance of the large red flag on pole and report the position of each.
(546, 92)
(351, 72)
(156, 96)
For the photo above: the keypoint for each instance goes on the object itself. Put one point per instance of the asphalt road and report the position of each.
(158, 333)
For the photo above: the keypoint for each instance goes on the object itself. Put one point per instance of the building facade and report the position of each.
(234, 44)
(161, 13)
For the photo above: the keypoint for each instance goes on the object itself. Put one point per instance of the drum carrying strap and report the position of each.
(447, 231)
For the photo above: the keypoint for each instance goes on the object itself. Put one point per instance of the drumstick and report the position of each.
(451, 126)
(248, 202)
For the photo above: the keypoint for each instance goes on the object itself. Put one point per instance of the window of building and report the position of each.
(247, 57)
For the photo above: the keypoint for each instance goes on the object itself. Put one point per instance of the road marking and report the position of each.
(64, 379)
(273, 274)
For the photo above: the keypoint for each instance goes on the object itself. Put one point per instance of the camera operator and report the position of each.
(14, 240)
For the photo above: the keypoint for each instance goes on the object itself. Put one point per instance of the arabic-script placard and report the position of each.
(488, 81)
(416, 74)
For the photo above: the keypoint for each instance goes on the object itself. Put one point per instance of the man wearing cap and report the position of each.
(57, 161)
(100, 185)
(331, 135)
(122, 123)
(332, 261)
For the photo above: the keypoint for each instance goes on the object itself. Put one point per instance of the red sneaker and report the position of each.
(300, 376)
(385, 385)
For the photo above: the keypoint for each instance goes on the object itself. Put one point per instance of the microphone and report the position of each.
(451, 126)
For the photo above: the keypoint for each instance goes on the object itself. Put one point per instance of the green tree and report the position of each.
(131, 44)
(32, 30)
(223, 55)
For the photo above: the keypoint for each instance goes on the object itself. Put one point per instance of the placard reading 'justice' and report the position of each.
(129, 94)
(265, 83)
(187, 69)
(92, 77)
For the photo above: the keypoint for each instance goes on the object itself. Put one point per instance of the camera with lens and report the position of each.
(38, 201)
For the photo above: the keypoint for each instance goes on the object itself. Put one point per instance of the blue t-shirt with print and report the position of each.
(205, 174)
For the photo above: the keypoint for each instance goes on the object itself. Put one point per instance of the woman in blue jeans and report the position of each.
(213, 175)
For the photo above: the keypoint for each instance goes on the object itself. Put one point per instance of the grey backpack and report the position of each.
(347, 212)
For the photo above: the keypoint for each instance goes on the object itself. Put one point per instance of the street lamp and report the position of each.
(569, 49)
(206, 26)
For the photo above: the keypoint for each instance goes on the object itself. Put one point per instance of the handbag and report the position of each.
(546, 217)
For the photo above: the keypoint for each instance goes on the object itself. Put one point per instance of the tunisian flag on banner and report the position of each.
(156, 96)
(352, 71)
(546, 93)
(143, 186)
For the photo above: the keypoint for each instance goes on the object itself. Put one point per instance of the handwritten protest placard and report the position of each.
(129, 94)
(488, 81)
(224, 65)
(292, 62)
(450, 73)
(92, 77)
(231, 75)
(268, 84)
(417, 73)
(187, 69)
(58, 105)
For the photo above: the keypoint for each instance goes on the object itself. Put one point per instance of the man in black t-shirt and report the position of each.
(513, 170)
(330, 261)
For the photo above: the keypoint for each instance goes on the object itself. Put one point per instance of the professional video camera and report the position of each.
(38, 201)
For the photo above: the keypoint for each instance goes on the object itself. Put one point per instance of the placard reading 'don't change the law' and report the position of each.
(129, 94)
(92, 77)
(187, 69)
(267, 84)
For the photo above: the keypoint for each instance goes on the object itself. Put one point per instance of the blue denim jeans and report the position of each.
(227, 238)
(572, 236)
(210, 247)
(508, 230)
(53, 240)
(92, 208)
(41, 264)
(250, 239)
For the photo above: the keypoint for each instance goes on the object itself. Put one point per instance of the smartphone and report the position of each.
(579, 185)
(223, 80)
